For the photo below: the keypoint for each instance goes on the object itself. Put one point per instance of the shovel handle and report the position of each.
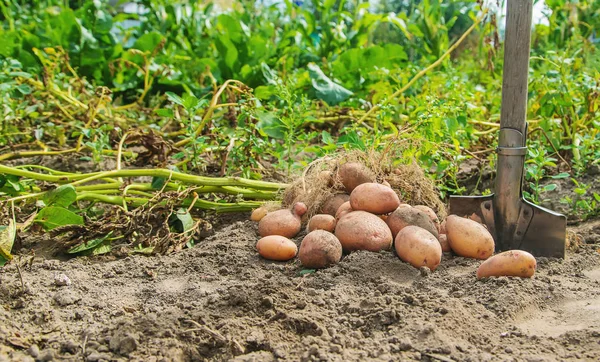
(516, 64)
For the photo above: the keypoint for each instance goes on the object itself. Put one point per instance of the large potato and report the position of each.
(320, 249)
(343, 210)
(374, 198)
(321, 222)
(405, 216)
(352, 174)
(468, 238)
(280, 222)
(512, 263)
(276, 247)
(360, 230)
(332, 205)
(418, 247)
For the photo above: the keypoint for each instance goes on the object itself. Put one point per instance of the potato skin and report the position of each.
(360, 230)
(281, 222)
(374, 198)
(320, 249)
(468, 238)
(429, 211)
(352, 174)
(343, 210)
(405, 216)
(322, 222)
(276, 247)
(259, 213)
(443, 239)
(418, 247)
(299, 208)
(512, 263)
(332, 205)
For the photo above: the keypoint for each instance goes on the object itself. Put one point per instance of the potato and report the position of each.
(405, 216)
(374, 198)
(321, 222)
(429, 211)
(320, 249)
(281, 222)
(512, 263)
(443, 239)
(352, 174)
(385, 183)
(442, 227)
(259, 213)
(343, 210)
(418, 247)
(276, 247)
(360, 230)
(404, 206)
(476, 218)
(468, 238)
(332, 205)
(299, 208)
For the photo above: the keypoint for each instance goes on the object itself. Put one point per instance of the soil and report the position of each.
(220, 301)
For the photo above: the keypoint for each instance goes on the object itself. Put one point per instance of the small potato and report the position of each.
(360, 230)
(332, 205)
(276, 247)
(476, 218)
(418, 247)
(385, 183)
(352, 174)
(320, 249)
(512, 263)
(442, 227)
(343, 210)
(281, 222)
(468, 238)
(258, 213)
(299, 208)
(405, 216)
(374, 198)
(322, 222)
(443, 239)
(429, 211)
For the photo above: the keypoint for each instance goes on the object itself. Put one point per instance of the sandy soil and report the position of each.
(219, 301)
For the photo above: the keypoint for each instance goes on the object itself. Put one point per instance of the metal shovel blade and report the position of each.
(514, 222)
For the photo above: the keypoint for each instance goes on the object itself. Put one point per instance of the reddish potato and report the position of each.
(429, 211)
(299, 208)
(374, 198)
(512, 263)
(475, 218)
(321, 222)
(442, 227)
(418, 247)
(443, 239)
(259, 213)
(405, 216)
(332, 205)
(352, 174)
(320, 249)
(281, 222)
(343, 210)
(276, 247)
(360, 230)
(468, 238)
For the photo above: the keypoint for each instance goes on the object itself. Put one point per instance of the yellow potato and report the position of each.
(332, 205)
(405, 216)
(512, 263)
(360, 230)
(374, 198)
(418, 247)
(259, 213)
(352, 174)
(343, 210)
(281, 222)
(276, 247)
(320, 249)
(321, 222)
(468, 238)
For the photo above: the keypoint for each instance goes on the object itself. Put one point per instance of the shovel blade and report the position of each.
(540, 231)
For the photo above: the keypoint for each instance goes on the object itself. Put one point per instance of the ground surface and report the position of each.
(219, 301)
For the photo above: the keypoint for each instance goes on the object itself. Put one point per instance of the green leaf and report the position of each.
(149, 41)
(89, 244)
(325, 88)
(550, 187)
(306, 271)
(190, 101)
(181, 221)
(165, 112)
(561, 175)
(7, 239)
(158, 183)
(52, 217)
(270, 125)
(102, 249)
(174, 98)
(62, 196)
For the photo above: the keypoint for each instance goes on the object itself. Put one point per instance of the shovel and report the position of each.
(514, 222)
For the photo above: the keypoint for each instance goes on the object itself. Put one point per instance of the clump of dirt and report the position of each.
(320, 180)
(219, 301)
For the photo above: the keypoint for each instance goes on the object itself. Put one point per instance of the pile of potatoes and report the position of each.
(370, 216)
